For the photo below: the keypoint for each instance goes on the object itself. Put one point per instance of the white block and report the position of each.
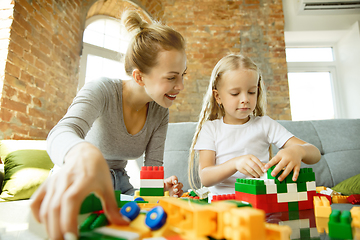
(151, 183)
(287, 197)
(302, 196)
(311, 186)
(291, 187)
(271, 188)
(269, 181)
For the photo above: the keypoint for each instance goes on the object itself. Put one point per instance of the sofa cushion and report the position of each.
(24, 171)
(349, 186)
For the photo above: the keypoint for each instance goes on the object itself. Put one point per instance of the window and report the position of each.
(105, 43)
(311, 76)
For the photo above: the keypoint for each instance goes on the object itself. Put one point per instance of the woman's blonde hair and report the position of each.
(211, 110)
(147, 41)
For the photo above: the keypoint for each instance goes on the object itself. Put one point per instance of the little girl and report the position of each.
(233, 136)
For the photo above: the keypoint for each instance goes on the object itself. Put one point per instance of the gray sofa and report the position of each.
(338, 141)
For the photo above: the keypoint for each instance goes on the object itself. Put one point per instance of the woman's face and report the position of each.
(165, 81)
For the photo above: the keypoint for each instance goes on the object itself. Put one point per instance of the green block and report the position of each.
(301, 187)
(85, 226)
(281, 187)
(340, 225)
(152, 192)
(306, 175)
(92, 203)
(240, 203)
(100, 221)
(252, 186)
(293, 206)
(304, 233)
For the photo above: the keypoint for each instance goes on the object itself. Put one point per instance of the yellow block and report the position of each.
(339, 199)
(321, 207)
(277, 232)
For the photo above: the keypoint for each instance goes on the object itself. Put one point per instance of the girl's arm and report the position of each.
(290, 156)
(211, 174)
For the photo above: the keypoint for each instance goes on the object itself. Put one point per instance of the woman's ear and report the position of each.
(216, 96)
(138, 77)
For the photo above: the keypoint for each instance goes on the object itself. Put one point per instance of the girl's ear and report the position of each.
(216, 96)
(138, 77)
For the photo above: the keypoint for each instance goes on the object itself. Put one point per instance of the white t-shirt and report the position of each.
(229, 141)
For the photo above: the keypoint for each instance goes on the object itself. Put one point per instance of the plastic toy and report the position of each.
(339, 199)
(271, 195)
(354, 199)
(322, 207)
(340, 225)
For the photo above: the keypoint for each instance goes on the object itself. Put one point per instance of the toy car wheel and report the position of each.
(130, 210)
(139, 199)
(155, 218)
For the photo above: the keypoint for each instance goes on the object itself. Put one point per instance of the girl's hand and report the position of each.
(249, 165)
(288, 158)
(173, 185)
(57, 202)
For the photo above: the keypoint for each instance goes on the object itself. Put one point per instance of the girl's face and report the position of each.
(165, 81)
(237, 92)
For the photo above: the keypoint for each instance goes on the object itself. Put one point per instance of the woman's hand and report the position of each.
(57, 202)
(174, 187)
(249, 165)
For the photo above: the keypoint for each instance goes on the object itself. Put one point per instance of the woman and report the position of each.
(109, 122)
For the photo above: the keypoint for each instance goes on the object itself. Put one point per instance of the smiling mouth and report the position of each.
(171, 97)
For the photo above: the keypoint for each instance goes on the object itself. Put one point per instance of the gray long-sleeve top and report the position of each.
(96, 116)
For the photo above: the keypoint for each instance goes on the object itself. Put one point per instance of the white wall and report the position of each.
(341, 31)
(348, 62)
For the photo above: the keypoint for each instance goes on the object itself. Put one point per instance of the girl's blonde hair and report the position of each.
(147, 41)
(211, 110)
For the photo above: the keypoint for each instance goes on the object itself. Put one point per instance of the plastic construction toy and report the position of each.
(340, 225)
(354, 199)
(322, 207)
(271, 195)
(340, 199)
(355, 224)
(93, 203)
(152, 181)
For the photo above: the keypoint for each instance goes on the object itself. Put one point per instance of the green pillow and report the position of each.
(349, 186)
(25, 170)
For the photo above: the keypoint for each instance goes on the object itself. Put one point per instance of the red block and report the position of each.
(354, 199)
(152, 172)
(223, 197)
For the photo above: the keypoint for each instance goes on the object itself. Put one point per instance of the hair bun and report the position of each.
(132, 21)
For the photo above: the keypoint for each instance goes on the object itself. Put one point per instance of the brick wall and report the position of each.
(39, 76)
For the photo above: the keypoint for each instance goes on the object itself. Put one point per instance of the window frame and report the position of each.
(320, 67)
(89, 49)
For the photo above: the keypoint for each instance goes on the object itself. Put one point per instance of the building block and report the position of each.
(293, 206)
(340, 225)
(320, 188)
(291, 188)
(324, 195)
(149, 172)
(223, 197)
(244, 223)
(354, 199)
(321, 207)
(151, 192)
(130, 210)
(250, 186)
(92, 203)
(355, 224)
(311, 186)
(339, 199)
(151, 183)
(301, 187)
(281, 187)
